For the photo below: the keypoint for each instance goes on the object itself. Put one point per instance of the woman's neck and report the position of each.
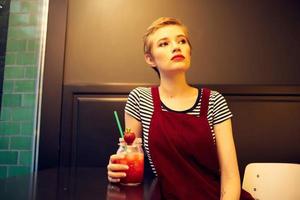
(174, 86)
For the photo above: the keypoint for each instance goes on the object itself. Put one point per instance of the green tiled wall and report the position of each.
(19, 88)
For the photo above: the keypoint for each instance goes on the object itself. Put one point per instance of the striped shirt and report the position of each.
(140, 106)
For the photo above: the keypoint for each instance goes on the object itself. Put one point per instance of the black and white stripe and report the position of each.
(140, 106)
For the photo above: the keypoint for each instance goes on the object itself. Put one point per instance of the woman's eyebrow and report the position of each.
(181, 35)
(165, 38)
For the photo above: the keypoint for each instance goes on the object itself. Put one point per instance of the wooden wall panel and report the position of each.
(265, 123)
(266, 128)
(95, 128)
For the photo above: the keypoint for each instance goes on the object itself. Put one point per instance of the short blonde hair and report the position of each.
(157, 24)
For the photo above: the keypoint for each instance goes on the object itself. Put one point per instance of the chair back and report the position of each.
(272, 181)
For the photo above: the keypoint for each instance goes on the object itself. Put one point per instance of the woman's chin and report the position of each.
(180, 68)
(175, 71)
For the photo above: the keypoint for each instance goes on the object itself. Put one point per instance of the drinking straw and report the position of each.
(118, 122)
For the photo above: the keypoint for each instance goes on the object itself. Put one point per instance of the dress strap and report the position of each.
(156, 99)
(204, 102)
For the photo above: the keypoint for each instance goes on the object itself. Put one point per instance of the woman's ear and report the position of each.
(149, 59)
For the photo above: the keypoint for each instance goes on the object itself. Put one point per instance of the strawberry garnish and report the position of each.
(129, 136)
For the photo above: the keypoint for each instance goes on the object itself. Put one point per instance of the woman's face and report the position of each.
(170, 50)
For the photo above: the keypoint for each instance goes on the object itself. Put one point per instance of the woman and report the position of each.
(186, 131)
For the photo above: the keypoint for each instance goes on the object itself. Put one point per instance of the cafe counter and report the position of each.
(77, 184)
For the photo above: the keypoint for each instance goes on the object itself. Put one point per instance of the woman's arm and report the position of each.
(230, 177)
(134, 125)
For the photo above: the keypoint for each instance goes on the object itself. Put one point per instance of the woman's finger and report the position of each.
(116, 175)
(113, 180)
(115, 157)
(117, 167)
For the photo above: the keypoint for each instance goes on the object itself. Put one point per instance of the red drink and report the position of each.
(134, 158)
(135, 162)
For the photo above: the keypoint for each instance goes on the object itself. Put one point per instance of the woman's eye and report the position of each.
(163, 44)
(182, 41)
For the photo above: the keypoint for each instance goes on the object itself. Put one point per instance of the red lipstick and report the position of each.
(178, 57)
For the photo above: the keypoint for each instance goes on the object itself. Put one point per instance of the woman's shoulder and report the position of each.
(142, 89)
(214, 94)
(218, 108)
(141, 92)
(217, 100)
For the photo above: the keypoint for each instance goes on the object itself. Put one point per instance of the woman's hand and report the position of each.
(114, 169)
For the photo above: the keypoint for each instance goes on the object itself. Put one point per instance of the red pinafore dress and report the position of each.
(183, 152)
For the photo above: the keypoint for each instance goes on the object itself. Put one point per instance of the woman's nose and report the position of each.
(175, 47)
